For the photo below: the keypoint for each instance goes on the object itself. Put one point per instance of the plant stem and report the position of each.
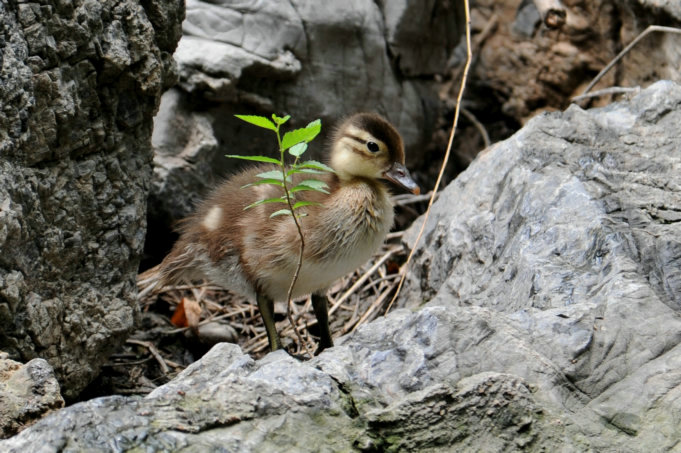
(289, 300)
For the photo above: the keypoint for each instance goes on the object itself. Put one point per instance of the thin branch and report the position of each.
(478, 125)
(646, 32)
(289, 295)
(445, 159)
(152, 349)
(362, 279)
(408, 198)
(395, 234)
(377, 303)
(606, 92)
(131, 363)
(299, 265)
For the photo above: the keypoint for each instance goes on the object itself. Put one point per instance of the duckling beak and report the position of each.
(399, 174)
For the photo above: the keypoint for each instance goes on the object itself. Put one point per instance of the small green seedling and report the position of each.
(295, 142)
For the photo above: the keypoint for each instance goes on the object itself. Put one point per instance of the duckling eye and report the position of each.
(372, 146)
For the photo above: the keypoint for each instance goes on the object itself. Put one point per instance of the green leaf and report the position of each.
(306, 134)
(313, 164)
(280, 212)
(298, 150)
(311, 184)
(300, 204)
(259, 121)
(269, 160)
(274, 174)
(304, 170)
(279, 120)
(275, 182)
(267, 200)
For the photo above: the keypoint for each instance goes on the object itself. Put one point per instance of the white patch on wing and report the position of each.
(212, 220)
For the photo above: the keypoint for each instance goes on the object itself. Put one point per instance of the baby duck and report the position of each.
(254, 255)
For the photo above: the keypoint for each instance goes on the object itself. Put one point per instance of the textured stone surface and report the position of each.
(27, 392)
(420, 34)
(386, 390)
(551, 272)
(79, 85)
(307, 58)
(570, 231)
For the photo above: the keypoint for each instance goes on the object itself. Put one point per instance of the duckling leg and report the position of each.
(321, 311)
(266, 307)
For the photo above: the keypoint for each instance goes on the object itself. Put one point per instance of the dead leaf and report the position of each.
(179, 319)
(192, 311)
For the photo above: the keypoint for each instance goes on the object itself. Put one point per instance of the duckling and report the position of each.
(254, 255)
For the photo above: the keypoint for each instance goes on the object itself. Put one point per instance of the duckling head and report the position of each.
(367, 146)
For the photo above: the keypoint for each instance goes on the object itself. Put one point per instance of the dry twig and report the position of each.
(606, 92)
(403, 271)
(644, 33)
(152, 349)
(362, 279)
(478, 125)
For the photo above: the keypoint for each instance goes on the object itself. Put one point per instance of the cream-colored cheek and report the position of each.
(212, 220)
(365, 168)
(340, 161)
(348, 164)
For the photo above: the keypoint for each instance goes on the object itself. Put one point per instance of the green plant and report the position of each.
(295, 142)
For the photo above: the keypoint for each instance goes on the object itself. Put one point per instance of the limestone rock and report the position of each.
(27, 392)
(569, 232)
(344, 400)
(79, 85)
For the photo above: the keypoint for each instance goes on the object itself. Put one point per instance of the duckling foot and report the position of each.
(321, 311)
(321, 347)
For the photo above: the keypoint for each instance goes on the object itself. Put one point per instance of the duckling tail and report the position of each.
(149, 281)
(175, 268)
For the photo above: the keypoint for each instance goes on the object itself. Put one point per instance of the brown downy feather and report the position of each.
(249, 252)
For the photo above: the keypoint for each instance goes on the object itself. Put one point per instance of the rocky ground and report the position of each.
(550, 272)
(549, 269)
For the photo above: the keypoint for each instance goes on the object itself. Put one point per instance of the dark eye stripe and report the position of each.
(360, 151)
(355, 138)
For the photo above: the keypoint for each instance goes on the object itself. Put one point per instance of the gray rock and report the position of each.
(27, 392)
(569, 231)
(421, 35)
(385, 389)
(306, 58)
(80, 82)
